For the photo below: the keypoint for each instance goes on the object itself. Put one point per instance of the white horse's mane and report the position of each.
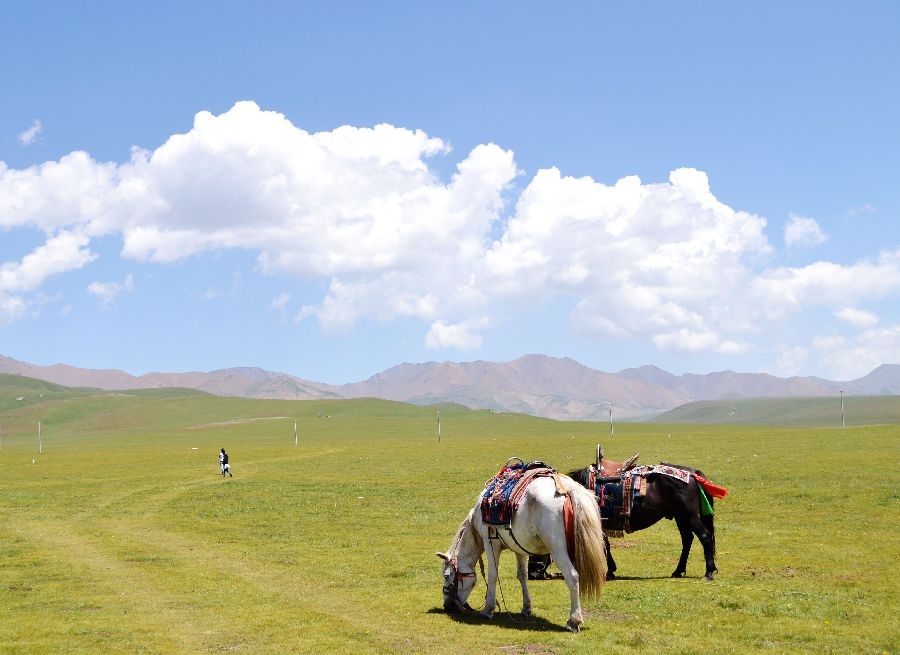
(465, 526)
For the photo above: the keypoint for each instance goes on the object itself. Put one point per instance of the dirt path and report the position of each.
(235, 421)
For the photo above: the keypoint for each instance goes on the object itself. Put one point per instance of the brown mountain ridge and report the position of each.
(552, 387)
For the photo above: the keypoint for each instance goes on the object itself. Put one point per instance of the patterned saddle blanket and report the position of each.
(503, 493)
(662, 469)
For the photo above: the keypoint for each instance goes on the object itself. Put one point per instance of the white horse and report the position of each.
(537, 527)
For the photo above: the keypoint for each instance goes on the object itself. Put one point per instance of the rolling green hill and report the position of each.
(96, 413)
(18, 391)
(794, 412)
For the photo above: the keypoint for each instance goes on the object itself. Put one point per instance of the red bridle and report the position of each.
(453, 587)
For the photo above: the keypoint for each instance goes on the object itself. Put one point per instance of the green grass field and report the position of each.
(122, 537)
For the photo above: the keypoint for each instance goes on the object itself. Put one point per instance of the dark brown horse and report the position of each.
(662, 496)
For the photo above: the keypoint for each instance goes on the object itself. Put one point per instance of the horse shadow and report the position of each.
(507, 620)
(626, 578)
(619, 578)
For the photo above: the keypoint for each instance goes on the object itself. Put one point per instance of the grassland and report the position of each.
(123, 538)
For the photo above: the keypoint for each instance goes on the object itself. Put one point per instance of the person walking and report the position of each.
(223, 463)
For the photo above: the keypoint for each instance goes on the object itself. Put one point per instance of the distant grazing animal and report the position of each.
(537, 526)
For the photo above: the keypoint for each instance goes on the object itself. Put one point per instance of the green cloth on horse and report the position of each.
(705, 506)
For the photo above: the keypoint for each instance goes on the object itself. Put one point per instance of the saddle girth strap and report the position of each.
(494, 533)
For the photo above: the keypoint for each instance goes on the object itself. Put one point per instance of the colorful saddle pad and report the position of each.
(503, 493)
(662, 469)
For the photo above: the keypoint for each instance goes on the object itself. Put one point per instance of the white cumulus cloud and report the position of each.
(280, 301)
(458, 335)
(644, 260)
(27, 137)
(107, 292)
(858, 210)
(12, 307)
(781, 291)
(857, 317)
(61, 253)
(851, 358)
(803, 232)
(790, 361)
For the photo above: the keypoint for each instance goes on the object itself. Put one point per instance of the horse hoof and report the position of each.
(485, 614)
(610, 576)
(708, 576)
(526, 612)
(572, 627)
(678, 574)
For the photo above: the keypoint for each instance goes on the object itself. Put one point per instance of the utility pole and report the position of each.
(439, 425)
(296, 438)
(612, 431)
(842, 408)
(40, 443)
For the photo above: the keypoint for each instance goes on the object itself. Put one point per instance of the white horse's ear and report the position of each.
(444, 557)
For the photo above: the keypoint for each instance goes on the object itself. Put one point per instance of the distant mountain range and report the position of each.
(559, 388)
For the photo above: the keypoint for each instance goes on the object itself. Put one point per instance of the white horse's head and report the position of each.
(458, 585)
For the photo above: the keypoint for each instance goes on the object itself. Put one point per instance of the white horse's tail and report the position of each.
(590, 553)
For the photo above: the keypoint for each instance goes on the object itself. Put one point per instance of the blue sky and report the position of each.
(329, 189)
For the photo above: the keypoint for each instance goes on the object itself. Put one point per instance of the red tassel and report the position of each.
(713, 490)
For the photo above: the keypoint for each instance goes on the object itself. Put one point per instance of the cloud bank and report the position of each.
(362, 209)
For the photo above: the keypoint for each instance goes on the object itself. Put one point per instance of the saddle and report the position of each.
(612, 469)
(503, 493)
